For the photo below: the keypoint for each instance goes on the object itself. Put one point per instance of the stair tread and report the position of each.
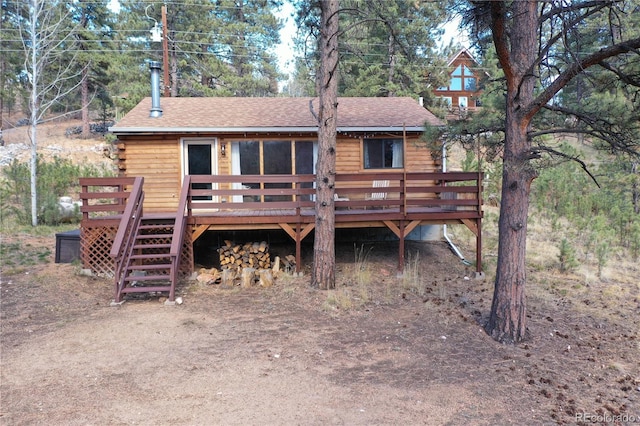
(148, 278)
(148, 246)
(160, 222)
(147, 289)
(145, 267)
(150, 236)
(158, 216)
(150, 256)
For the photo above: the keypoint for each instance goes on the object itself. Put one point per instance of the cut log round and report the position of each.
(248, 277)
(228, 277)
(266, 277)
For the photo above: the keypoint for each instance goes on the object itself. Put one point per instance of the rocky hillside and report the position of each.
(55, 139)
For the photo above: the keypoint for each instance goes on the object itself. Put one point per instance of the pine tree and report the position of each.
(530, 39)
(387, 47)
(92, 42)
(218, 48)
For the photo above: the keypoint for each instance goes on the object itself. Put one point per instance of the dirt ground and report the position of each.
(386, 351)
(378, 350)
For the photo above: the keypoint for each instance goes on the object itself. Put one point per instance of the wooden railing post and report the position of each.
(403, 195)
(177, 239)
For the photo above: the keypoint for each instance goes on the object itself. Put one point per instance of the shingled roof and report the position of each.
(233, 114)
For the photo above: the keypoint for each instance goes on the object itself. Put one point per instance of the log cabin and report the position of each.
(189, 166)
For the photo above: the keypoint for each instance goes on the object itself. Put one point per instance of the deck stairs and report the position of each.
(148, 266)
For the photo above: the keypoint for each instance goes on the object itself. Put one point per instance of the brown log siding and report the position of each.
(158, 160)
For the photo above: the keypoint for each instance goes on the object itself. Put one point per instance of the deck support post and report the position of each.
(298, 248)
(401, 249)
(298, 234)
(479, 248)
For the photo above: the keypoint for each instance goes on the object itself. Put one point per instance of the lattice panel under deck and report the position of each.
(186, 257)
(96, 243)
(95, 246)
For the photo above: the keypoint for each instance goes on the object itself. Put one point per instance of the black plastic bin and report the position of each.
(68, 246)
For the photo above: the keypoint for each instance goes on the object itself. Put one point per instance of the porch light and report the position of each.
(223, 149)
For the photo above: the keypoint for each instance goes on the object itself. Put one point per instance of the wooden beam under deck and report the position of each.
(299, 227)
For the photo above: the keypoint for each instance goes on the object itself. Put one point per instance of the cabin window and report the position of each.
(383, 153)
(470, 84)
(457, 78)
(446, 101)
(249, 157)
(462, 78)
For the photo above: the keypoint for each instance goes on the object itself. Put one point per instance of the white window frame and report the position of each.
(235, 162)
(214, 143)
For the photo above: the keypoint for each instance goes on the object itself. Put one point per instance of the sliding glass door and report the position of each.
(272, 157)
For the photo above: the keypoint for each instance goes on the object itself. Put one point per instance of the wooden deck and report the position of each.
(241, 202)
(405, 201)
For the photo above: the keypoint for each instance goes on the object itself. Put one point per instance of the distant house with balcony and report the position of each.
(462, 92)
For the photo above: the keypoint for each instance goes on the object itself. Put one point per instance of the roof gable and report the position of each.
(460, 56)
(273, 114)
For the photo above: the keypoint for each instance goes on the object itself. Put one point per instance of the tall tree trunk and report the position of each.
(173, 70)
(241, 51)
(33, 163)
(84, 93)
(2, 94)
(204, 77)
(392, 66)
(169, 36)
(635, 192)
(507, 321)
(34, 107)
(84, 82)
(324, 256)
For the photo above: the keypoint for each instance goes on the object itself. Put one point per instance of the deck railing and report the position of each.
(249, 192)
(358, 197)
(129, 221)
(398, 193)
(104, 198)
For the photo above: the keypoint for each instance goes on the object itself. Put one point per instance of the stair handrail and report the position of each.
(125, 236)
(177, 239)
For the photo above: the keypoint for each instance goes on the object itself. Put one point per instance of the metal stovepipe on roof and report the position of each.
(156, 110)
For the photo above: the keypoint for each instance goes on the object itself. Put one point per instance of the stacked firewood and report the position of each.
(246, 265)
(248, 255)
